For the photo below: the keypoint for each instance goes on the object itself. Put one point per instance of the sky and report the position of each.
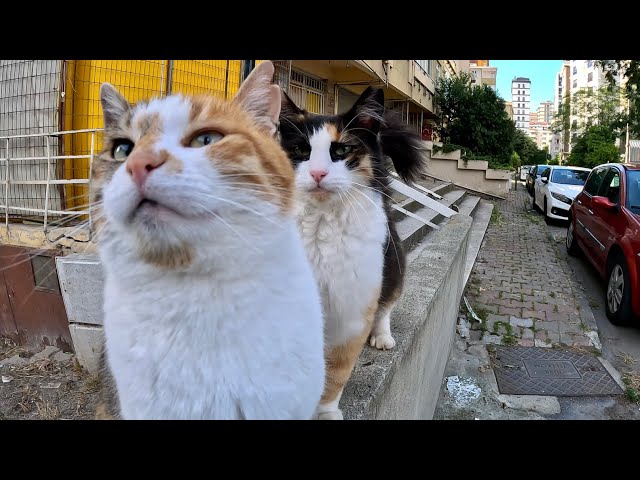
(542, 74)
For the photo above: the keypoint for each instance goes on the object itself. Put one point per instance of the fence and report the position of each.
(634, 151)
(51, 121)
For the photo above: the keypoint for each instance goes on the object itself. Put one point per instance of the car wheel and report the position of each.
(546, 215)
(618, 294)
(571, 243)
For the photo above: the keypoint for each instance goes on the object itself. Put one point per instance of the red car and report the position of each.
(604, 223)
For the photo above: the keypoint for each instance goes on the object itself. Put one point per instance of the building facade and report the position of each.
(482, 73)
(545, 112)
(521, 102)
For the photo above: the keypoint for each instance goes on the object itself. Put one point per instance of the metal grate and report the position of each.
(51, 121)
(551, 372)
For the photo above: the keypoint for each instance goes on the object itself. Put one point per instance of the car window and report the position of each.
(545, 172)
(539, 169)
(595, 180)
(610, 187)
(567, 176)
(633, 190)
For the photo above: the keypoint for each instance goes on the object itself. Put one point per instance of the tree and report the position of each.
(474, 117)
(594, 147)
(525, 147)
(515, 160)
(626, 72)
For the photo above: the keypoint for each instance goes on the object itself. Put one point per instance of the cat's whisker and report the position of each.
(395, 202)
(243, 239)
(227, 175)
(244, 207)
(388, 229)
(357, 202)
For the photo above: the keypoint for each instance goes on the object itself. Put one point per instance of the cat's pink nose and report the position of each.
(140, 164)
(318, 175)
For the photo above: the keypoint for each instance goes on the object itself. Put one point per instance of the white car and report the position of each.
(524, 171)
(556, 188)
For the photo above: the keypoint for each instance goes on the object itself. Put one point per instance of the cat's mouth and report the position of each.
(147, 206)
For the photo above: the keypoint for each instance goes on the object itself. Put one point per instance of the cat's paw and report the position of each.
(330, 415)
(384, 341)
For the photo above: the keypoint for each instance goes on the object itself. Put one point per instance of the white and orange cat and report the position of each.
(211, 310)
(344, 217)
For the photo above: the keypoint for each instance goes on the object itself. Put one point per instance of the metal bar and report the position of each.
(420, 187)
(52, 182)
(226, 81)
(52, 134)
(422, 198)
(46, 188)
(55, 157)
(93, 138)
(53, 212)
(417, 217)
(169, 77)
(6, 190)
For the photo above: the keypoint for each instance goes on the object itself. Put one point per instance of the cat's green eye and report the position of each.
(205, 139)
(122, 149)
(342, 149)
(301, 151)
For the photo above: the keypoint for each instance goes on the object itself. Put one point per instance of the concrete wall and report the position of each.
(68, 239)
(474, 175)
(404, 383)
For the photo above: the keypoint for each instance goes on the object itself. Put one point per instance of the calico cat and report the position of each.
(344, 217)
(211, 310)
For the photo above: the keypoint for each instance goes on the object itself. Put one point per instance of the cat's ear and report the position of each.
(368, 111)
(289, 108)
(261, 98)
(114, 105)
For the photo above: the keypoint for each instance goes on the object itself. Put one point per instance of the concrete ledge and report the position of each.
(404, 383)
(473, 164)
(81, 283)
(493, 174)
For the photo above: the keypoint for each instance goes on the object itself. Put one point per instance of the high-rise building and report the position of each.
(482, 73)
(520, 101)
(545, 112)
(509, 109)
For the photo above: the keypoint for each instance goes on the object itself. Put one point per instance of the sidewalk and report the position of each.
(524, 293)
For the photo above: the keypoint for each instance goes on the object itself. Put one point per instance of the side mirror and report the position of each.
(604, 203)
(544, 179)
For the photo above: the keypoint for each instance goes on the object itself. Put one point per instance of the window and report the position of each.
(633, 190)
(595, 181)
(569, 177)
(575, 70)
(611, 185)
(590, 77)
(545, 172)
(425, 65)
(589, 63)
(575, 83)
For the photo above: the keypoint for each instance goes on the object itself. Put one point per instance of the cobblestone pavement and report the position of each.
(520, 289)
(525, 293)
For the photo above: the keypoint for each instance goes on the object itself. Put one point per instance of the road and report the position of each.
(618, 343)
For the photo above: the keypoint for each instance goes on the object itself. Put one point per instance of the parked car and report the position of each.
(605, 225)
(524, 171)
(555, 189)
(534, 173)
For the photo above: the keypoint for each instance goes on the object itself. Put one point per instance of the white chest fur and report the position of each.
(345, 242)
(245, 343)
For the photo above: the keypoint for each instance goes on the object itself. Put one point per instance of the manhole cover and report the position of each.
(553, 372)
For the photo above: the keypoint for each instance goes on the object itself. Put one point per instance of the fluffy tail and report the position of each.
(405, 147)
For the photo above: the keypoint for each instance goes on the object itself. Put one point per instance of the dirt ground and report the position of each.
(46, 387)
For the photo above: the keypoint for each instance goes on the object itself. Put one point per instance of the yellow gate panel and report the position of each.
(136, 79)
(214, 77)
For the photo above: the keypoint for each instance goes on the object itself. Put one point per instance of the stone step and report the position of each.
(469, 205)
(481, 218)
(411, 231)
